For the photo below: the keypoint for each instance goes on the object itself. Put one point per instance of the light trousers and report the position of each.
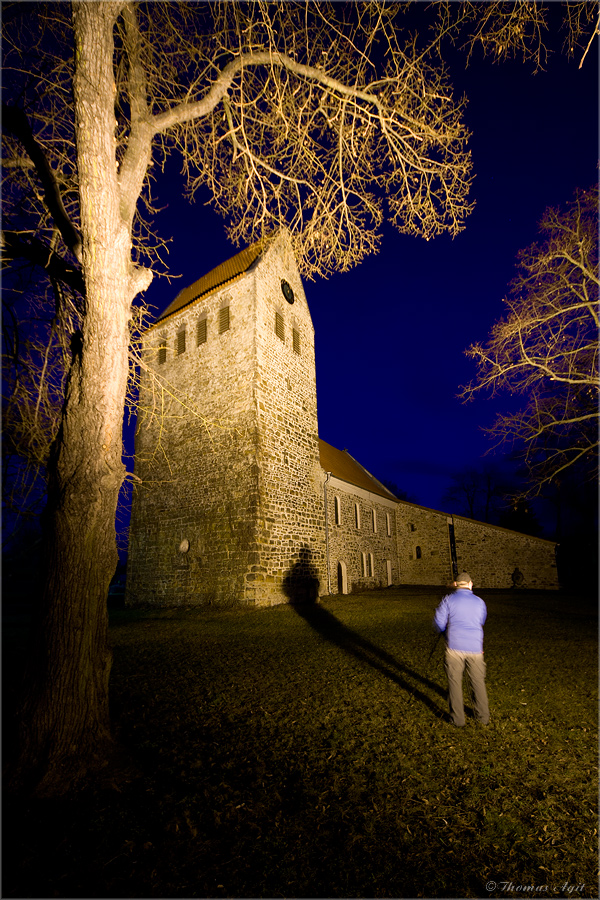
(454, 664)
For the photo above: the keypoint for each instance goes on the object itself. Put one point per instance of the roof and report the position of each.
(346, 468)
(223, 274)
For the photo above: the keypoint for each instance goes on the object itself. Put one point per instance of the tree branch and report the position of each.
(16, 122)
(16, 246)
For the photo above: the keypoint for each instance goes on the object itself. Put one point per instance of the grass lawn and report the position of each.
(269, 753)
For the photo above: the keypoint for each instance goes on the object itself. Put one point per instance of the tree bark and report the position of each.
(64, 725)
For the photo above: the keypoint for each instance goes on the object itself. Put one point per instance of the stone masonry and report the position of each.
(236, 498)
(230, 493)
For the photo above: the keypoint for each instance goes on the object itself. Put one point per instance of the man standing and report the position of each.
(461, 615)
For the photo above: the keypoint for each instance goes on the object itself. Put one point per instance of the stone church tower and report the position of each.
(229, 492)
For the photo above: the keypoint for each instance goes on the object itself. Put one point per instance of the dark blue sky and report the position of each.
(390, 335)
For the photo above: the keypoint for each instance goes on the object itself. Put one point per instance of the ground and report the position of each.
(306, 752)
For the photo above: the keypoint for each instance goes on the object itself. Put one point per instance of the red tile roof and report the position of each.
(228, 271)
(346, 468)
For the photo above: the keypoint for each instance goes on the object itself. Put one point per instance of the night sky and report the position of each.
(390, 335)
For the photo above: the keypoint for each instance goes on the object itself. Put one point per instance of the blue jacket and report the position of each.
(461, 615)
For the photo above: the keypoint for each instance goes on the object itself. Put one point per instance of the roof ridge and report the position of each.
(222, 274)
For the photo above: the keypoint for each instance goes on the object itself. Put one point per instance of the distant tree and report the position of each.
(546, 348)
(477, 491)
(519, 516)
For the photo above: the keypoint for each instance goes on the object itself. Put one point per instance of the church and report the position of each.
(235, 495)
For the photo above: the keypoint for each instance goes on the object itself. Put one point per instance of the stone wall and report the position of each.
(490, 554)
(292, 540)
(350, 543)
(423, 545)
(193, 528)
(229, 495)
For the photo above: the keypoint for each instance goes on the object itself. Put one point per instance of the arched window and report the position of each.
(367, 565)
(418, 552)
(357, 515)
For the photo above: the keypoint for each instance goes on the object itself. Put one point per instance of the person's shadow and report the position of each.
(301, 586)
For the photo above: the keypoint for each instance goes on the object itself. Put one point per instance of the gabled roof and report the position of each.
(346, 468)
(228, 271)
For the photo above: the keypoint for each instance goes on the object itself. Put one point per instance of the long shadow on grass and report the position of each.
(301, 585)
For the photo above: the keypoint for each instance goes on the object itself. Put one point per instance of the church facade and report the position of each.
(235, 495)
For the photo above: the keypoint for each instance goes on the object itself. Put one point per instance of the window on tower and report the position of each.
(223, 319)
(181, 341)
(279, 326)
(296, 341)
(201, 332)
(162, 352)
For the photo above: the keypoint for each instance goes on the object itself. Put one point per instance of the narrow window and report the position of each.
(370, 565)
(201, 332)
(374, 521)
(279, 326)
(388, 523)
(181, 342)
(162, 353)
(363, 564)
(223, 319)
(357, 515)
(296, 341)
(337, 511)
(418, 552)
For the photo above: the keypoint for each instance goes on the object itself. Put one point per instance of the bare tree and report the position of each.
(519, 29)
(310, 116)
(284, 113)
(479, 491)
(546, 347)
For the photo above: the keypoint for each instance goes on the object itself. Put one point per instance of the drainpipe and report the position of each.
(452, 548)
(327, 532)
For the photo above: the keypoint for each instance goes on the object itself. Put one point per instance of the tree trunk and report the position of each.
(64, 722)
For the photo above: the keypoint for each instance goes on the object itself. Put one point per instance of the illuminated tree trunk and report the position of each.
(65, 719)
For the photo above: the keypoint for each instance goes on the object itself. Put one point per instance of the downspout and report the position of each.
(452, 547)
(328, 474)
